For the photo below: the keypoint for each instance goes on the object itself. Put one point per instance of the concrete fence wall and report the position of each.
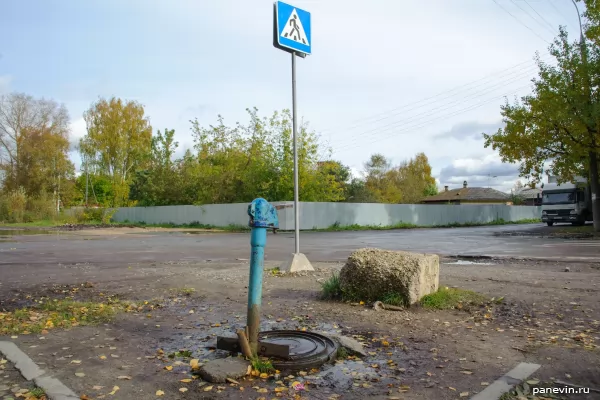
(323, 215)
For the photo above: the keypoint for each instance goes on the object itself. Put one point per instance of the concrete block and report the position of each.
(22, 362)
(372, 274)
(296, 263)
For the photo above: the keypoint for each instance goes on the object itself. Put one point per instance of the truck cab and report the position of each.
(566, 203)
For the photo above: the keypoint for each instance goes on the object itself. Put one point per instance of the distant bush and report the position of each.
(17, 207)
(92, 215)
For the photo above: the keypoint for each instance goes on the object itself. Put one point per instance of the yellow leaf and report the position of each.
(362, 303)
(262, 390)
(451, 388)
(183, 390)
(115, 388)
(264, 376)
(280, 389)
(185, 380)
(169, 368)
(160, 393)
(103, 357)
(208, 388)
(195, 363)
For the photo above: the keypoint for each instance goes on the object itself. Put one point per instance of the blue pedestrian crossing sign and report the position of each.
(292, 29)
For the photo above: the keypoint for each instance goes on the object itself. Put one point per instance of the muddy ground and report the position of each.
(547, 316)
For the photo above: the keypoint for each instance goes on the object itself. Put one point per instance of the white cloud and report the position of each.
(78, 131)
(5, 81)
(487, 171)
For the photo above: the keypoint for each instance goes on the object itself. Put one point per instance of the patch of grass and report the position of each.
(185, 291)
(342, 352)
(37, 393)
(331, 289)
(262, 365)
(181, 353)
(394, 299)
(336, 227)
(57, 314)
(447, 298)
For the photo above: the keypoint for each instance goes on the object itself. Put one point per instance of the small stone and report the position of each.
(217, 371)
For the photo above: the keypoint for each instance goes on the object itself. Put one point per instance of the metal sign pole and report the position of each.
(295, 139)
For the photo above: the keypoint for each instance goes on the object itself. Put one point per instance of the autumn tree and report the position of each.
(407, 182)
(117, 143)
(558, 122)
(34, 145)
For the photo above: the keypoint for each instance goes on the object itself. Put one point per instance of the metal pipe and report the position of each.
(258, 240)
(294, 133)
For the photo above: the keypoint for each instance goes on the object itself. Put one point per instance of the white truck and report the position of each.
(569, 202)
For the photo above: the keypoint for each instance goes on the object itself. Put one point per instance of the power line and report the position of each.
(466, 96)
(457, 89)
(552, 31)
(519, 21)
(411, 128)
(543, 19)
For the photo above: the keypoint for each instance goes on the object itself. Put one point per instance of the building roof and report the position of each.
(471, 194)
(529, 193)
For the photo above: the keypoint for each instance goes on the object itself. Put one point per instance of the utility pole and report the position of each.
(592, 153)
(87, 180)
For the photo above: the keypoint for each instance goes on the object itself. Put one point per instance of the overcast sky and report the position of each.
(390, 76)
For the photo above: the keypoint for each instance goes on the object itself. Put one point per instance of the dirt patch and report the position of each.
(539, 311)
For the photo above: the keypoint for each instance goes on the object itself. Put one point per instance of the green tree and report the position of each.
(558, 122)
(157, 184)
(117, 143)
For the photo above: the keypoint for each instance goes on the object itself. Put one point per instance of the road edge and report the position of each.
(505, 383)
(54, 389)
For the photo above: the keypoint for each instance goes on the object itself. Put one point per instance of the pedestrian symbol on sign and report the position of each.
(294, 30)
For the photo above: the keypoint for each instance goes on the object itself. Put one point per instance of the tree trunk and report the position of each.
(595, 189)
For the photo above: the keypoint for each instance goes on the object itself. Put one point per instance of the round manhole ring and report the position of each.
(307, 349)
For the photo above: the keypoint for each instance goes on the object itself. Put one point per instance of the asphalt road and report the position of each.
(116, 249)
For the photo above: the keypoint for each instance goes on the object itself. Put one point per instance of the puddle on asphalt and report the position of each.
(466, 262)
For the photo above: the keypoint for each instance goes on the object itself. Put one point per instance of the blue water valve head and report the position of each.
(262, 214)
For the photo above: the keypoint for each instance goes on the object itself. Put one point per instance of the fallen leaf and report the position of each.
(533, 381)
(262, 390)
(183, 390)
(451, 388)
(115, 389)
(280, 389)
(169, 368)
(79, 374)
(464, 394)
(187, 380)
(124, 377)
(75, 361)
(160, 393)
(485, 384)
(98, 387)
(208, 388)
(466, 372)
(103, 357)
(263, 376)
(195, 363)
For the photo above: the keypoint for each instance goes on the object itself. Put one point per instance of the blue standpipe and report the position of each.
(263, 216)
